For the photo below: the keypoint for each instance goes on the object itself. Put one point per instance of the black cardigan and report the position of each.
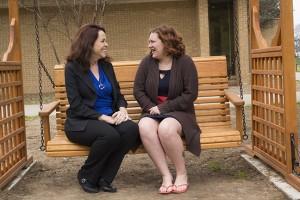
(183, 90)
(82, 95)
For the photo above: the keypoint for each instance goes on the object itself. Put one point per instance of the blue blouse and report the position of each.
(103, 87)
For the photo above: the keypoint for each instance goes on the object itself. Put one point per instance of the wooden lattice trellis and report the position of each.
(13, 153)
(274, 93)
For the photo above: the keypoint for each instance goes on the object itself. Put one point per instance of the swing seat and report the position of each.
(212, 107)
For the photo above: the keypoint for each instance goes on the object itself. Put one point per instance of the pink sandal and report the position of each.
(177, 191)
(165, 189)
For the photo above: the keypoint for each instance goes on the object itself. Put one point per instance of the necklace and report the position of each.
(101, 85)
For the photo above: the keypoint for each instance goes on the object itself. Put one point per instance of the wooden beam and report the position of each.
(257, 39)
(13, 12)
(288, 62)
(11, 40)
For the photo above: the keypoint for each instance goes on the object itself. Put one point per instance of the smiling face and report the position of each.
(156, 46)
(100, 46)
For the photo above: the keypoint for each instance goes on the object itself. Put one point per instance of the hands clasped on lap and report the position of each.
(154, 111)
(117, 118)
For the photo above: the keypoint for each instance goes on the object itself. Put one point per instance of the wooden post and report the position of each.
(13, 12)
(288, 62)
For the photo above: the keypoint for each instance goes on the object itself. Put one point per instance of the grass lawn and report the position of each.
(297, 64)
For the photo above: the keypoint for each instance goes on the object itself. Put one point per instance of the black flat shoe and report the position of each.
(106, 187)
(87, 186)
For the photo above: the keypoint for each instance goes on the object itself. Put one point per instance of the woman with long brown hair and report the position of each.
(97, 115)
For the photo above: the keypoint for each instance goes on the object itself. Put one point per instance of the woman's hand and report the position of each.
(154, 111)
(120, 116)
(107, 119)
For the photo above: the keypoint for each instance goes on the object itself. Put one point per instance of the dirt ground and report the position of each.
(217, 174)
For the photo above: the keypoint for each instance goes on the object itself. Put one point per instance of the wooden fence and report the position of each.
(13, 153)
(274, 94)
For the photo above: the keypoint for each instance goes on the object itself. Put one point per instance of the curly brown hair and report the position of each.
(171, 40)
(82, 45)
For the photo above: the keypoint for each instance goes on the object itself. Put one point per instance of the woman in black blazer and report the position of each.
(97, 116)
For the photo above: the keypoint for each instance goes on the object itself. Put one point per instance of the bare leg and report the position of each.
(169, 132)
(148, 131)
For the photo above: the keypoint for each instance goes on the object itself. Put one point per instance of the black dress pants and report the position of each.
(108, 146)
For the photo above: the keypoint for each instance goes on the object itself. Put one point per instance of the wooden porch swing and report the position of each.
(212, 106)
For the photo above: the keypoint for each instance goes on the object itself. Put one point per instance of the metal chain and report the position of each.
(42, 147)
(295, 162)
(236, 60)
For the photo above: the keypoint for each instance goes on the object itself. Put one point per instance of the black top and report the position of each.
(163, 87)
(82, 95)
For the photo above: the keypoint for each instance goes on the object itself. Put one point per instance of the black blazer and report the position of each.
(82, 95)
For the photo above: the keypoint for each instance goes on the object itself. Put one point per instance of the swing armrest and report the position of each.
(48, 109)
(238, 103)
(44, 115)
(234, 99)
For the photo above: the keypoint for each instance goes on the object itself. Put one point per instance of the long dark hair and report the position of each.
(171, 40)
(82, 45)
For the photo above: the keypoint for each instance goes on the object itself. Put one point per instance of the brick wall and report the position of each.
(127, 26)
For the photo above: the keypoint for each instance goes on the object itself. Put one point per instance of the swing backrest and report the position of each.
(211, 106)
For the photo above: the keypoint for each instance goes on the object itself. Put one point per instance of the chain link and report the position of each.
(294, 148)
(40, 75)
(42, 147)
(236, 60)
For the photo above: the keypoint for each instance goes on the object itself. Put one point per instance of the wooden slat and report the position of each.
(267, 54)
(126, 84)
(210, 106)
(269, 141)
(213, 87)
(212, 112)
(61, 115)
(212, 80)
(13, 83)
(213, 119)
(125, 75)
(60, 96)
(228, 138)
(268, 89)
(221, 145)
(12, 134)
(127, 91)
(12, 117)
(269, 107)
(8, 101)
(59, 77)
(268, 123)
(215, 124)
(60, 89)
(134, 110)
(267, 72)
(10, 65)
(211, 100)
(209, 93)
(266, 50)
